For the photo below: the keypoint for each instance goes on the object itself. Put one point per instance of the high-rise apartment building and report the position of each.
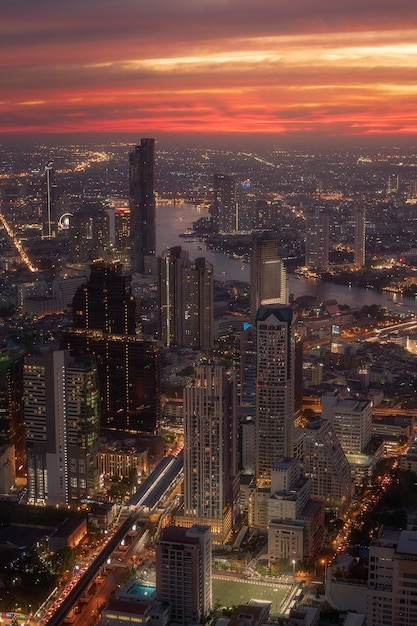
(295, 522)
(142, 206)
(274, 387)
(392, 579)
(89, 233)
(326, 465)
(122, 231)
(61, 407)
(49, 204)
(359, 243)
(247, 366)
(105, 303)
(211, 484)
(317, 239)
(12, 423)
(104, 324)
(225, 208)
(351, 419)
(268, 276)
(183, 573)
(185, 300)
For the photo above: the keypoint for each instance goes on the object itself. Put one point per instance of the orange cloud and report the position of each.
(275, 66)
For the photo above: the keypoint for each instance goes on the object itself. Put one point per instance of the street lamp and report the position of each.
(293, 567)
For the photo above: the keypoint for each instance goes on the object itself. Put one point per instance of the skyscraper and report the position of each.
(295, 522)
(104, 324)
(183, 573)
(268, 276)
(247, 369)
(359, 247)
(225, 208)
(171, 267)
(317, 239)
(105, 302)
(210, 450)
(142, 205)
(12, 423)
(49, 201)
(185, 300)
(89, 233)
(61, 407)
(122, 231)
(392, 578)
(274, 388)
(326, 464)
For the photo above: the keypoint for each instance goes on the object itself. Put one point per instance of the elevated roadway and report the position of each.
(148, 496)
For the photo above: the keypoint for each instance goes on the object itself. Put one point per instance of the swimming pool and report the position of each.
(140, 591)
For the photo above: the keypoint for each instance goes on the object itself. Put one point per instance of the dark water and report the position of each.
(173, 220)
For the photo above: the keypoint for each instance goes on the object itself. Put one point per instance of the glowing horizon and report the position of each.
(271, 67)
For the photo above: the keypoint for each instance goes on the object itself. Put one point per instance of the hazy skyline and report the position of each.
(291, 68)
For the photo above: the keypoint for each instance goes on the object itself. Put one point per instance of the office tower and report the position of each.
(171, 268)
(225, 210)
(296, 523)
(183, 573)
(142, 206)
(12, 423)
(49, 202)
(105, 303)
(326, 465)
(185, 291)
(245, 199)
(210, 450)
(268, 276)
(61, 406)
(392, 578)
(122, 231)
(64, 286)
(246, 441)
(89, 233)
(247, 369)
(317, 239)
(351, 420)
(298, 377)
(393, 183)
(7, 468)
(274, 388)
(359, 247)
(104, 324)
(199, 305)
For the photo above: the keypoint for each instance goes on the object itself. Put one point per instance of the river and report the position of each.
(172, 220)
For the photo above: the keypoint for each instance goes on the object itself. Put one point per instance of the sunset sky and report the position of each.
(294, 68)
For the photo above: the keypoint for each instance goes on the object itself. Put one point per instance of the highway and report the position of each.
(150, 493)
(76, 592)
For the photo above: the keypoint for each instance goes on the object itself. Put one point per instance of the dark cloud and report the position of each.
(74, 22)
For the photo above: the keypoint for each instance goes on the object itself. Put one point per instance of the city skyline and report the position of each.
(288, 70)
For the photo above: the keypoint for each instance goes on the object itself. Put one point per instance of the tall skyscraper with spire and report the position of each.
(268, 276)
(142, 206)
(49, 202)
